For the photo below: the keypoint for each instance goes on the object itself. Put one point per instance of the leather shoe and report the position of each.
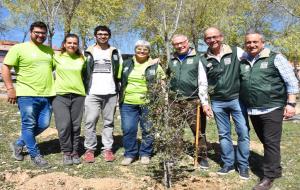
(264, 184)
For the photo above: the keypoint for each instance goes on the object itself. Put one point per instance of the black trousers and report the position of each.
(68, 110)
(268, 128)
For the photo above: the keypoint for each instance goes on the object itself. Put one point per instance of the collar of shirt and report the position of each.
(183, 56)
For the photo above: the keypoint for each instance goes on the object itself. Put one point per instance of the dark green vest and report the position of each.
(184, 77)
(128, 65)
(261, 84)
(222, 77)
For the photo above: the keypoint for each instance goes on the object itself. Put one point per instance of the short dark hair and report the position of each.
(38, 24)
(103, 28)
(63, 49)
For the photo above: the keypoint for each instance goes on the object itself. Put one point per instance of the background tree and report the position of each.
(49, 10)
(198, 15)
(287, 18)
(157, 21)
(21, 13)
(24, 12)
(90, 13)
(68, 10)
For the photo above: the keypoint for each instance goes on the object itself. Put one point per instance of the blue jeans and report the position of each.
(35, 117)
(131, 115)
(222, 111)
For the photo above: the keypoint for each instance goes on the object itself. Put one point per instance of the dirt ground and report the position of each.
(61, 181)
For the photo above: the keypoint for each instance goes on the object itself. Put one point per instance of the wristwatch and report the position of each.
(293, 104)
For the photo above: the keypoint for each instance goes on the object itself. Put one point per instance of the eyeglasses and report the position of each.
(102, 34)
(39, 33)
(179, 43)
(210, 38)
(142, 49)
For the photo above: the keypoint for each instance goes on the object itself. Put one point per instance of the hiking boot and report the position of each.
(16, 151)
(40, 162)
(76, 158)
(89, 156)
(204, 164)
(226, 170)
(67, 159)
(145, 160)
(126, 161)
(244, 173)
(108, 155)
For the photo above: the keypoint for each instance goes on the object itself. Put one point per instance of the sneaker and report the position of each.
(244, 173)
(76, 158)
(226, 170)
(108, 155)
(16, 151)
(89, 156)
(67, 159)
(145, 160)
(204, 164)
(40, 162)
(126, 161)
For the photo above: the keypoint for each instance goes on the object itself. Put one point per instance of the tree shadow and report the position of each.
(214, 154)
(213, 151)
(116, 145)
(256, 163)
(49, 147)
(53, 147)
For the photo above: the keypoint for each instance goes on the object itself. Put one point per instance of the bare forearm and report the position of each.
(6, 76)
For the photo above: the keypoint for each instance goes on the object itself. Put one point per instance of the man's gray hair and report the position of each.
(142, 43)
(179, 35)
(255, 31)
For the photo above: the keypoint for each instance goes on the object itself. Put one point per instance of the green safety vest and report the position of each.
(261, 84)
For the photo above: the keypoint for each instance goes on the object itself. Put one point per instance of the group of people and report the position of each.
(256, 82)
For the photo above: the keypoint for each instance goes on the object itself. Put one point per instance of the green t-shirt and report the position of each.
(136, 90)
(33, 66)
(68, 71)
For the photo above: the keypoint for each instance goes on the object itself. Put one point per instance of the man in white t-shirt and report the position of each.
(102, 88)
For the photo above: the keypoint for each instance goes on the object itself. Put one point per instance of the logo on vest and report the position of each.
(209, 64)
(264, 65)
(152, 72)
(227, 61)
(247, 68)
(125, 69)
(175, 63)
(189, 61)
(115, 57)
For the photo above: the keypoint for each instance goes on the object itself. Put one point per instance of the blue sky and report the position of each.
(124, 42)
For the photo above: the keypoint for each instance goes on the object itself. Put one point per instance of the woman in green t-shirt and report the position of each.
(137, 74)
(70, 95)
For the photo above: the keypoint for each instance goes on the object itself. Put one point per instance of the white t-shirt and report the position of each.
(102, 80)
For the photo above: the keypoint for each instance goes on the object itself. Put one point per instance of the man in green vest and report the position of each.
(183, 74)
(268, 89)
(221, 64)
